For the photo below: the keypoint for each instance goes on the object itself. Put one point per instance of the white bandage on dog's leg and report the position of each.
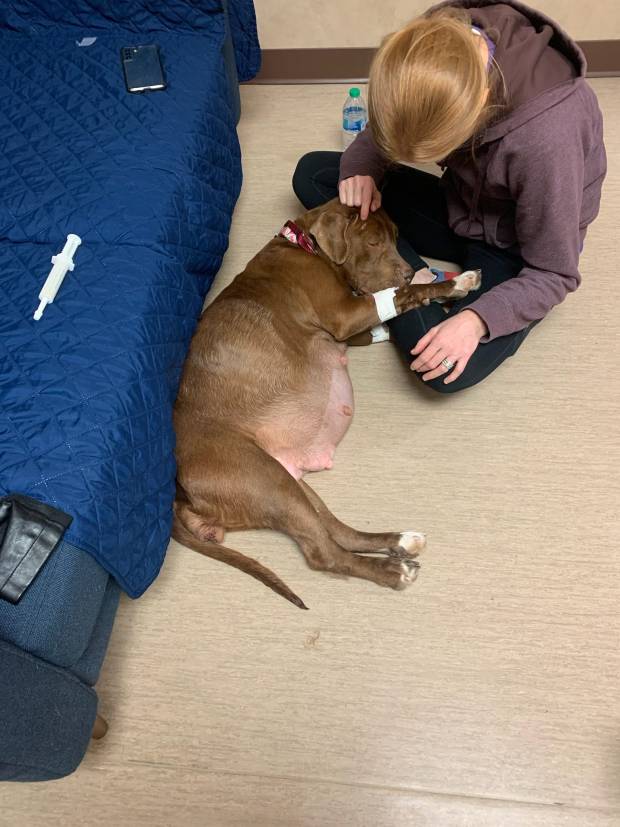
(384, 300)
(380, 333)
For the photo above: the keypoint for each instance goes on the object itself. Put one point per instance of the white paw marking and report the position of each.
(412, 541)
(380, 333)
(409, 569)
(469, 280)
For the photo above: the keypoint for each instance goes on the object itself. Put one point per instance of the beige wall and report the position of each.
(294, 24)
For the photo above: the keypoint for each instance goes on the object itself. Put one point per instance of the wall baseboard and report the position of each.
(352, 65)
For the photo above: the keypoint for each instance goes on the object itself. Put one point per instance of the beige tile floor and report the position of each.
(487, 694)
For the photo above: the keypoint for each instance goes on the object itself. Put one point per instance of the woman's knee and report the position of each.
(303, 179)
(315, 176)
(304, 171)
(439, 386)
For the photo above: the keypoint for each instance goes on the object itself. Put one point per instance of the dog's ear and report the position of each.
(331, 232)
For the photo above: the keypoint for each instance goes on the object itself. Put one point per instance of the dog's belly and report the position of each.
(308, 429)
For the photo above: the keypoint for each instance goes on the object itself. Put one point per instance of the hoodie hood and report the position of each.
(539, 62)
(540, 65)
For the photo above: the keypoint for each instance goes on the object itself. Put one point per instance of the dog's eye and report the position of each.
(373, 243)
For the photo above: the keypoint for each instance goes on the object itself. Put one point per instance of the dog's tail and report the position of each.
(236, 559)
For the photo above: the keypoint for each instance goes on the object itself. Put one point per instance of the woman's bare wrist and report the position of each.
(477, 321)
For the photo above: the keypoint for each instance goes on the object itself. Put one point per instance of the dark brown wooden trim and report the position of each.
(314, 66)
(603, 57)
(351, 65)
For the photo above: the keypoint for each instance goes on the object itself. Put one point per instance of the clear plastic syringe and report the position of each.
(63, 262)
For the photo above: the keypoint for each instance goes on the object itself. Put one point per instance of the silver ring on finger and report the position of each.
(448, 365)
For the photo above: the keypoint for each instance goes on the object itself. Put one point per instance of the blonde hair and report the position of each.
(429, 91)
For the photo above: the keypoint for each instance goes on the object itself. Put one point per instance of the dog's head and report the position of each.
(365, 250)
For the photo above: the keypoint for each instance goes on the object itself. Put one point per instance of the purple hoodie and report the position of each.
(537, 176)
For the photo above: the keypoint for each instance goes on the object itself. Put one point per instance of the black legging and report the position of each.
(416, 203)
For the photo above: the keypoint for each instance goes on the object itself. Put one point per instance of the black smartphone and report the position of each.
(142, 68)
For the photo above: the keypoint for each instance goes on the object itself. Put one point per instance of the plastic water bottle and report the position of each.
(354, 116)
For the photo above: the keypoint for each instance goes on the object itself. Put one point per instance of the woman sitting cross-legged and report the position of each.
(496, 94)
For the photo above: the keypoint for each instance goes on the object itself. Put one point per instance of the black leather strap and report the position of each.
(29, 533)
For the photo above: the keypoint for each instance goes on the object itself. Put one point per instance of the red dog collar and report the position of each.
(291, 232)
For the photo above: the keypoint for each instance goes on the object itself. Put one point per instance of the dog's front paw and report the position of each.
(465, 283)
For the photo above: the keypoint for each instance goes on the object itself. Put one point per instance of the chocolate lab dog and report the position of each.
(266, 396)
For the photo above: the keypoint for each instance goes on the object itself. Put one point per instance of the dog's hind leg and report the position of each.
(291, 511)
(404, 544)
(237, 485)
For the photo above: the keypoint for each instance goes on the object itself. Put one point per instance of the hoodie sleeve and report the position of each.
(545, 178)
(363, 157)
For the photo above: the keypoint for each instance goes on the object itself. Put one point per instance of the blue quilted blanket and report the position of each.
(149, 183)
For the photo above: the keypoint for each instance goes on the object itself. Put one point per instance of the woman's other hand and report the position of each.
(454, 340)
